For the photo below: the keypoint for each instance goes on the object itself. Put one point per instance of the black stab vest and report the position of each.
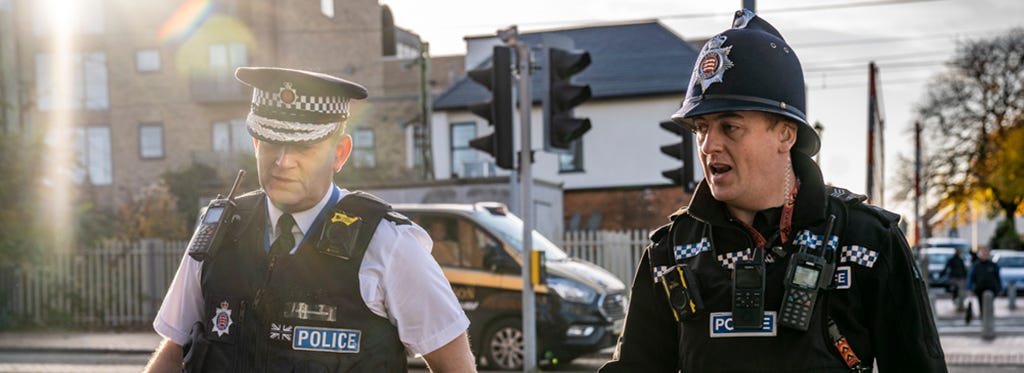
(291, 314)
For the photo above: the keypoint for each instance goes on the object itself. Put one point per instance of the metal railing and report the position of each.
(117, 284)
(121, 284)
(617, 251)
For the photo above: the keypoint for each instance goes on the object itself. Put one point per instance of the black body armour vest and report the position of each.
(296, 313)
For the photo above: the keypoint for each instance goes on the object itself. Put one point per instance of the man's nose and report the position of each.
(285, 157)
(710, 142)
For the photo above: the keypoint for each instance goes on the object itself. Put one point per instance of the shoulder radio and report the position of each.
(213, 224)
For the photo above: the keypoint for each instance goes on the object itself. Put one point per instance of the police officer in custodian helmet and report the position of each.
(309, 277)
(768, 269)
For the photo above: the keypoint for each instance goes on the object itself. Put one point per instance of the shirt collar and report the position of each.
(303, 219)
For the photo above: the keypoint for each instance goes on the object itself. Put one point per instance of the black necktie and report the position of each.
(285, 241)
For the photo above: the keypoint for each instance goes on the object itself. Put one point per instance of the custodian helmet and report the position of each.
(749, 67)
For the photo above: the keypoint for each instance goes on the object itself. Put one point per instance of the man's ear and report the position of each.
(342, 151)
(787, 136)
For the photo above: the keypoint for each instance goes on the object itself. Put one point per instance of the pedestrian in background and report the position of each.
(768, 269)
(984, 277)
(309, 277)
(955, 272)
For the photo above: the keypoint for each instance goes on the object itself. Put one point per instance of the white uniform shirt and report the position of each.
(398, 279)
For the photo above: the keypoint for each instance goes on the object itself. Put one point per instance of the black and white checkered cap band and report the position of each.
(287, 132)
(315, 104)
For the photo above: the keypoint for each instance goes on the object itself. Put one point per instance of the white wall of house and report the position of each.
(621, 149)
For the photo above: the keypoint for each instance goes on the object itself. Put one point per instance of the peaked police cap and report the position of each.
(749, 67)
(296, 106)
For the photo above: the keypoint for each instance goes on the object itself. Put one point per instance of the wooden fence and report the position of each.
(122, 284)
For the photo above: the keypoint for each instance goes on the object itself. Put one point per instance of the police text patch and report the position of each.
(842, 277)
(721, 326)
(326, 339)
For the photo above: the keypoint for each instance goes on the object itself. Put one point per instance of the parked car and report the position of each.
(580, 307)
(1011, 268)
(936, 252)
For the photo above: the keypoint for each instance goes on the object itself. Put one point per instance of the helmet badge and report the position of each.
(713, 62)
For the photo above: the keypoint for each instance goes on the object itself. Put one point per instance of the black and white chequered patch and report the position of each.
(814, 241)
(858, 255)
(691, 250)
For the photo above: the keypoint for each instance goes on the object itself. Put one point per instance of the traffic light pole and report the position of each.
(526, 209)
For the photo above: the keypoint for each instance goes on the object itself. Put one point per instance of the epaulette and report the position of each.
(886, 215)
(855, 200)
(681, 211)
(391, 215)
(845, 195)
(657, 234)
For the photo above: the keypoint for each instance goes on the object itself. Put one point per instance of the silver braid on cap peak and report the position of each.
(296, 132)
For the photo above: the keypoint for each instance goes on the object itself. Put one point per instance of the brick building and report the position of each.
(152, 85)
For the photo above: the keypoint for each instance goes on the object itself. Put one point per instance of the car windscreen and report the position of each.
(1011, 262)
(938, 259)
(510, 228)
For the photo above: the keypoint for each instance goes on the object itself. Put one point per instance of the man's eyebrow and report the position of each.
(719, 116)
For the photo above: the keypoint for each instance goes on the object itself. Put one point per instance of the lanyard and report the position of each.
(785, 222)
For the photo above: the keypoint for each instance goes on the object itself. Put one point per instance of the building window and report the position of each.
(363, 148)
(573, 160)
(86, 15)
(88, 85)
(231, 137)
(464, 158)
(147, 60)
(327, 8)
(227, 57)
(93, 147)
(151, 141)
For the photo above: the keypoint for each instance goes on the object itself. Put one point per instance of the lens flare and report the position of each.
(185, 20)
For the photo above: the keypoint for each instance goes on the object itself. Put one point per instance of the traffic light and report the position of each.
(560, 127)
(683, 151)
(498, 110)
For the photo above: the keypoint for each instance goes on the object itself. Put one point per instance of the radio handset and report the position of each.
(805, 276)
(213, 224)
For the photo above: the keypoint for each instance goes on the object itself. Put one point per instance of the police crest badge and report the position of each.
(222, 319)
(287, 93)
(712, 62)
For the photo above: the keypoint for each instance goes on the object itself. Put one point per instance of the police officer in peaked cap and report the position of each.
(309, 277)
(768, 269)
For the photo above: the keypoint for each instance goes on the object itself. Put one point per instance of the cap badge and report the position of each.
(714, 60)
(287, 94)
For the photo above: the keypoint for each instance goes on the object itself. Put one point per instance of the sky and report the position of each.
(835, 39)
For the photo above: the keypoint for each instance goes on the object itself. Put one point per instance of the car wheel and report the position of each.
(503, 346)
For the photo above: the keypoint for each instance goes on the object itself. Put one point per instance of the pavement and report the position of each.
(962, 343)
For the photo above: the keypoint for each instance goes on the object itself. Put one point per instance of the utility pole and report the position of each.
(870, 186)
(423, 135)
(917, 183)
(750, 5)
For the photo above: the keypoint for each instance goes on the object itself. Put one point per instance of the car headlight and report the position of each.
(572, 291)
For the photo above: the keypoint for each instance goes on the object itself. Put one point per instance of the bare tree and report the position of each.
(967, 114)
